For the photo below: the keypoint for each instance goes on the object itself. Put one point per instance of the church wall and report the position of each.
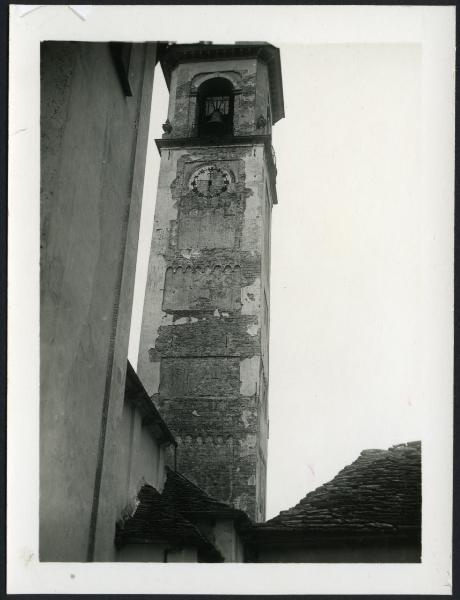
(93, 148)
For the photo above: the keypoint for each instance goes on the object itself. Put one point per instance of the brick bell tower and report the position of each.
(204, 343)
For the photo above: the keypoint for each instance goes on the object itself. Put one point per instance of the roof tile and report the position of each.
(381, 490)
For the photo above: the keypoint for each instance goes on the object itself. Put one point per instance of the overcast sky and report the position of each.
(348, 341)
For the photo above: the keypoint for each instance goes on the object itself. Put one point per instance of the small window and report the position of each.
(215, 108)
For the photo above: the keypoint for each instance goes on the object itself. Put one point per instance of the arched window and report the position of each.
(215, 107)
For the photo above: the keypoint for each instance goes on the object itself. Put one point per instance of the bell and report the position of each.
(216, 117)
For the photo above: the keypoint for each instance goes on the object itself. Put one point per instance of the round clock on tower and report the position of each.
(209, 181)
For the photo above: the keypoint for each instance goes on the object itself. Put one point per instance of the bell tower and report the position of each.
(203, 353)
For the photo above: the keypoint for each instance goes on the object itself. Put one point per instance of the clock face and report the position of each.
(209, 181)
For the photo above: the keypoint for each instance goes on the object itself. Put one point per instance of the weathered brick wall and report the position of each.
(206, 307)
(210, 287)
(217, 444)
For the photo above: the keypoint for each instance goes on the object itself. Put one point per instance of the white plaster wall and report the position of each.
(225, 539)
(141, 459)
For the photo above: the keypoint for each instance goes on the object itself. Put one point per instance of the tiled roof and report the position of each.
(156, 521)
(137, 394)
(188, 499)
(379, 492)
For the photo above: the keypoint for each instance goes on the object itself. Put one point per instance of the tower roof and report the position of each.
(173, 54)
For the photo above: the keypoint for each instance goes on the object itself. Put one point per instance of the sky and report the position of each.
(347, 340)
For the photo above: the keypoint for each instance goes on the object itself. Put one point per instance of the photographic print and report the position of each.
(244, 292)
